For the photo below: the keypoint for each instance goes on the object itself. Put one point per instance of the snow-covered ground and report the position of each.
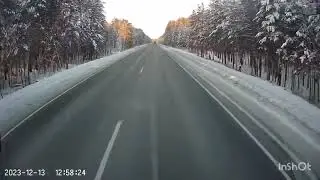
(293, 121)
(18, 105)
(35, 76)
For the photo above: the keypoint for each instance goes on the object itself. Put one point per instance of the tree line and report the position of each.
(40, 36)
(277, 40)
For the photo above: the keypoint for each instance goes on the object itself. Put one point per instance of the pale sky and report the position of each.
(151, 16)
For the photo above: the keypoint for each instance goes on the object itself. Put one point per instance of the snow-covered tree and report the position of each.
(177, 32)
(277, 40)
(128, 35)
(37, 36)
(139, 37)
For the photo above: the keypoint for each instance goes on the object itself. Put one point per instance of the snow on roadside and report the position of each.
(18, 105)
(294, 122)
(35, 76)
(300, 109)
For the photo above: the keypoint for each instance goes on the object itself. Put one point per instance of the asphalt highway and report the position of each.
(143, 118)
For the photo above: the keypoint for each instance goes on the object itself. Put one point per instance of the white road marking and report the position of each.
(138, 60)
(57, 97)
(141, 70)
(291, 154)
(52, 100)
(107, 153)
(273, 159)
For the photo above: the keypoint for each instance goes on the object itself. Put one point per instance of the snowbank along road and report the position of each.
(142, 118)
